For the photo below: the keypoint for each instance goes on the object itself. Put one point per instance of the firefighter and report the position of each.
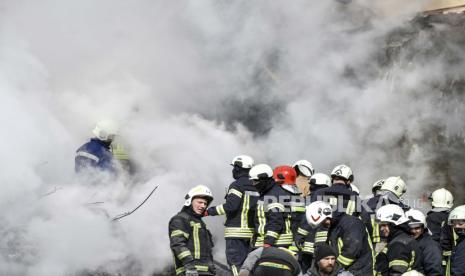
(377, 186)
(306, 238)
(457, 220)
(442, 202)
(96, 153)
(304, 171)
(431, 252)
(390, 193)
(403, 253)
(241, 200)
(276, 261)
(340, 193)
(285, 177)
(190, 240)
(347, 235)
(272, 220)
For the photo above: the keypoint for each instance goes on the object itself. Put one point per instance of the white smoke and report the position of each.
(193, 83)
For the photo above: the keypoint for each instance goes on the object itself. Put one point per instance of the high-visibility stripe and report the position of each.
(252, 193)
(309, 247)
(303, 232)
(340, 244)
(184, 254)
(275, 265)
(375, 233)
(398, 263)
(350, 207)
(245, 212)
(87, 155)
(344, 260)
(261, 218)
(298, 209)
(234, 270)
(202, 268)
(196, 227)
(275, 205)
(321, 236)
(220, 210)
(447, 253)
(272, 234)
(179, 233)
(232, 232)
(235, 192)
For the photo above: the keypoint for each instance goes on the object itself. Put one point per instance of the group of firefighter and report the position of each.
(293, 221)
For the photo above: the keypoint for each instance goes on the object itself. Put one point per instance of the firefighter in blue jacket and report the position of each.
(190, 241)
(457, 220)
(239, 207)
(96, 153)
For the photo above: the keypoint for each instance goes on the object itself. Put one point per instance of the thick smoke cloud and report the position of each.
(194, 83)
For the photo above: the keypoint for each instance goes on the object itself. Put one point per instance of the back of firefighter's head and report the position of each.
(394, 185)
(105, 130)
(241, 165)
(198, 198)
(303, 168)
(261, 176)
(417, 222)
(391, 217)
(286, 177)
(442, 198)
(318, 181)
(457, 220)
(342, 174)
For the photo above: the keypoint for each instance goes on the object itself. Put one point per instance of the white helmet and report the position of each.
(377, 185)
(316, 212)
(457, 214)
(260, 171)
(198, 191)
(355, 189)
(442, 198)
(243, 161)
(304, 167)
(105, 130)
(344, 172)
(391, 213)
(394, 184)
(416, 217)
(320, 179)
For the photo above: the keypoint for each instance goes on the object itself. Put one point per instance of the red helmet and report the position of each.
(285, 175)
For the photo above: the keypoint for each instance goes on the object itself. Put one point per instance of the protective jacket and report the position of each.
(435, 221)
(191, 243)
(458, 258)
(368, 214)
(270, 261)
(94, 154)
(272, 218)
(403, 253)
(239, 208)
(338, 195)
(348, 236)
(431, 255)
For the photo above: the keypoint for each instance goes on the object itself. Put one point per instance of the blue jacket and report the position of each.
(94, 154)
(458, 258)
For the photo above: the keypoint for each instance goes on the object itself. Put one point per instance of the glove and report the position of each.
(191, 272)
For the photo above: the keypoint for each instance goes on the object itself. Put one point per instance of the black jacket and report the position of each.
(435, 221)
(239, 208)
(368, 214)
(403, 253)
(337, 193)
(432, 255)
(348, 236)
(272, 218)
(191, 243)
(458, 258)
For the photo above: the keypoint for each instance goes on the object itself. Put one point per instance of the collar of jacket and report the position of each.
(396, 230)
(190, 211)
